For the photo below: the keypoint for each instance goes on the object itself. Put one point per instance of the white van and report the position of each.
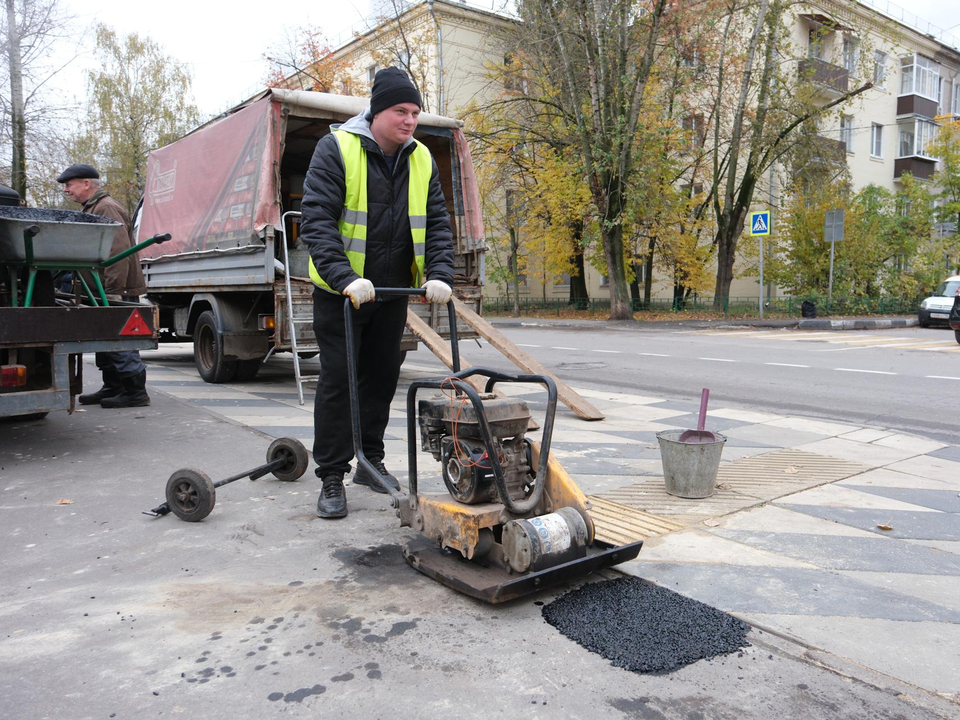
(936, 308)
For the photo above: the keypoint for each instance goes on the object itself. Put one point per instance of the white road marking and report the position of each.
(717, 359)
(616, 352)
(787, 365)
(942, 377)
(526, 345)
(654, 354)
(872, 372)
(561, 347)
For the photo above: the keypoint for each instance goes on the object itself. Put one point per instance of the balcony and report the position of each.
(916, 105)
(921, 168)
(827, 75)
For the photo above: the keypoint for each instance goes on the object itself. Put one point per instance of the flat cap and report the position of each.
(80, 171)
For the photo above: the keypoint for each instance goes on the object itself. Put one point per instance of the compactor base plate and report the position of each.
(493, 584)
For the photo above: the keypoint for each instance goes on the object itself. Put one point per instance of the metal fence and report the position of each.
(786, 306)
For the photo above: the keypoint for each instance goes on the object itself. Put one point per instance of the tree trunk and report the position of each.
(616, 270)
(516, 272)
(648, 273)
(578, 282)
(18, 123)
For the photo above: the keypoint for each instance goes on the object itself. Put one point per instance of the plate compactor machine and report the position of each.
(513, 521)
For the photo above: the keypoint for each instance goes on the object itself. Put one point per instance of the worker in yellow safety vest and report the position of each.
(373, 215)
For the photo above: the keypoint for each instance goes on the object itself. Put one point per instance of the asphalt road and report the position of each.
(907, 379)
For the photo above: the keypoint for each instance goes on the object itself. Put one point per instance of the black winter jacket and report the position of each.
(389, 255)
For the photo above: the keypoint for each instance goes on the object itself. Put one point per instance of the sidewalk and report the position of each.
(842, 538)
(872, 322)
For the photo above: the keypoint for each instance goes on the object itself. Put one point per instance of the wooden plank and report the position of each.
(567, 395)
(441, 348)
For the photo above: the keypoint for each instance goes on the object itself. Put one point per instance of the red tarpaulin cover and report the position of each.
(475, 231)
(217, 187)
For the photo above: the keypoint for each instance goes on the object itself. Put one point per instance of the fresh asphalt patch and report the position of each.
(642, 627)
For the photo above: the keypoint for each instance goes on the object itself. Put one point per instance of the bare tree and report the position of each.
(31, 31)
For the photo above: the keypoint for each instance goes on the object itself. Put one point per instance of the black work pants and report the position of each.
(126, 363)
(377, 330)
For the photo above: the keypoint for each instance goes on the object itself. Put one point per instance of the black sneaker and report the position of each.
(332, 502)
(362, 477)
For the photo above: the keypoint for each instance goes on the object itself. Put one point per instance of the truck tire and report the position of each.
(248, 369)
(956, 334)
(208, 351)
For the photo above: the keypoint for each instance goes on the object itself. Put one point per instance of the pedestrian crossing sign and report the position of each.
(760, 223)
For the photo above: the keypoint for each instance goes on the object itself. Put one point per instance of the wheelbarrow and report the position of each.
(60, 241)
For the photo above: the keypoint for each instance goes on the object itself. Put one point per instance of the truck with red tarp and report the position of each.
(234, 279)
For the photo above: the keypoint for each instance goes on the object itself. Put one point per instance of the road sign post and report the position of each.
(832, 233)
(760, 228)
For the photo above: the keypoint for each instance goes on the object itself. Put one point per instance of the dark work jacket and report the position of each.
(389, 255)
(124, 277)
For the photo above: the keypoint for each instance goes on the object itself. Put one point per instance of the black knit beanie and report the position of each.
(391, 86)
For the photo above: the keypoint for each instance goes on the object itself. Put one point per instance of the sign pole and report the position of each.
(760, 240)
(830, 286)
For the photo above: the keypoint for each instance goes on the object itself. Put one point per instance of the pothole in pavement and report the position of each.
(642, 627)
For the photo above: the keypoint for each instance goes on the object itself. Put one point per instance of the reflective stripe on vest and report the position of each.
(353, 218)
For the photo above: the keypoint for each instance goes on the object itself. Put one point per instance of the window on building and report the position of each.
(876, 140)
(880, 69)
(815, 42)
(846, 131)
(956, 98)
(403, 59)
(850, 54)
(604, 281)
(919, 76)
(917, 137)
(371, 74)
(693, 124)
(563, 280)
(521, 277)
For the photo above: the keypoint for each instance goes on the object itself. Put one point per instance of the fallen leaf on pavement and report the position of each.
(64, 502)
(791, 470)
(711, 522)
(884, 527)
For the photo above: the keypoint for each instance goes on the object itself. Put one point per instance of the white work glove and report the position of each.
(360, 291)
(437, 291)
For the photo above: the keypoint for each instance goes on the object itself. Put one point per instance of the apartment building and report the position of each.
(836, 44)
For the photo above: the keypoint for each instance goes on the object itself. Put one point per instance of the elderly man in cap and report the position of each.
(124, 374)
(373, 216)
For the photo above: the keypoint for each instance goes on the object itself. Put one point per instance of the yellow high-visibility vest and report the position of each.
(353, 219)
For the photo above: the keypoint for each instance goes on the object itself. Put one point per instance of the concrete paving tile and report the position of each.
(938, 589)
(794, 591)
(618, 397)
(648, 413)
(866, 435)
(587, 436)
(301, 432)
(866, 453)
(170, 382)
(713, 423)
(772, 435)
(910, 443)
(820, 427)
(951, 452)
(248, 401)
(931, 467)
(746, 416)
(847, 497)
(635, 425)
(851, 553)
(889, 477)
(925, 654)
(731, 453)
(770, 518)
(926, 525)
(943, 500)
(698, 546)
(952, 546)
(616, 452)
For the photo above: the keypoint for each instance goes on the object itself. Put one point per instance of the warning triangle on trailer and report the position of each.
(136, 325)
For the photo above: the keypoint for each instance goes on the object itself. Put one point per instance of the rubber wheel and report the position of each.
(956, 334)
(248, 369)
(295, 454)
(208, 351)
(923, 323)
(190, 495)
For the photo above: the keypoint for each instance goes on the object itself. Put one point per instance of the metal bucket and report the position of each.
(690, 469)
(65, 235)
